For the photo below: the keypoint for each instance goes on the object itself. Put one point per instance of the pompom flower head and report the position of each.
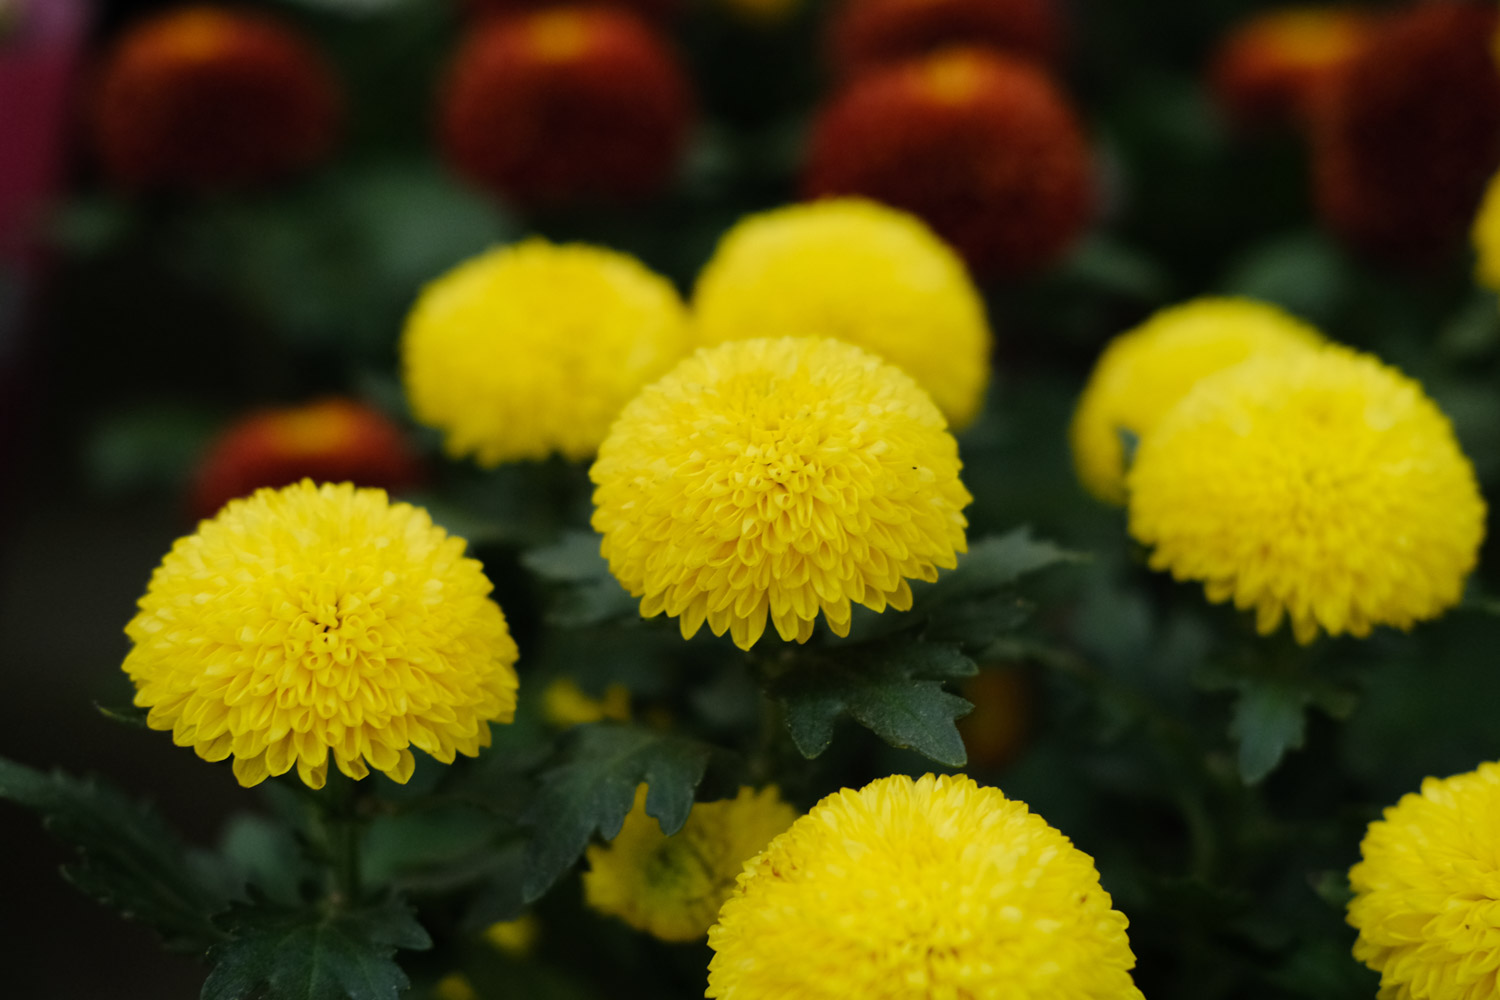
(937, 887)
(1426, 888)
(566, 104)
(672, 887)
(867, 34)
(857, 271)
(532, 349)
(983, 148)
(778, 478)
(1319, 486)
(1144, 372)
(1409, 132)
(1271, 67)
(311, 621)
(332, 440)
(205, 96)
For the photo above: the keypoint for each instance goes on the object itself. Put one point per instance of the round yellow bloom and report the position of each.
(1144, 372)
(857, 271)
(514, 937)
(1320, 486)
(778, 476)
(931, 888)
(1427, 892)
(325, 618)
(672, 887)
(1487, 235)
(532, 349)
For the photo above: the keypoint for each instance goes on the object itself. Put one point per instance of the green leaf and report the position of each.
(894, 689)
(325, 954)
(1268, 719)
(129, 715)
(129, 859)
(976, 602)
(587, 593)
(593, 788)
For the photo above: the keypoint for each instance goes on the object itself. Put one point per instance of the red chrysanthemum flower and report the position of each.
(1268, 70)
(334, 440)
(866, 34)
(1408, 132)
(572, 103)
(655, 10)
(984, 148)
(210, 97)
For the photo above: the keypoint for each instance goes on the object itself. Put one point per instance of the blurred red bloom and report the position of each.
(867, 34)
(1408, 132)
(984, 148)
(573, 103)
(209, 97)
(334, 440)
(1268, 70)
(655, 10)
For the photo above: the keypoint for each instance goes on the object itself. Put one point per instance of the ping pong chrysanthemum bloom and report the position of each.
(1318, 485)
(857, 271)
(1426, 889)
(937, 887)
(778, 478)
(532, 349)
(1144, 372)
(672, 887)
(322, 619)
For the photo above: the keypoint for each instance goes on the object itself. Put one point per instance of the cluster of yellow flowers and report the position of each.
(1297, 478)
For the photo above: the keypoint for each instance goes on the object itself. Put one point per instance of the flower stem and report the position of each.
(341, 835)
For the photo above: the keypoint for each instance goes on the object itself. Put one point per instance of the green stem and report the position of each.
(342, 827)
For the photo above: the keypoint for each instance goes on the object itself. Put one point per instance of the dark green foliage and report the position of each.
(586, 593)
(330, 953)
(128, 858)
(592, 787)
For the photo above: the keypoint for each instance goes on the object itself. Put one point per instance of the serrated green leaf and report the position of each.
(975, 603)
(129, 859)
(593, 787)
(1268, 719)
(587, 593)
(322, 954)
(894, 689)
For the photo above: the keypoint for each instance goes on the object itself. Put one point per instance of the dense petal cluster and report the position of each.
(566, 104)
(1486, 235)
(867, 34)
(1144, 372)
(672, 887)
(1427, 891)
(1270, 69)
(931, 888)
(332, 440)
(778, 478)
(982, 147)
(857, 271)
(203, 96)
(1409, 132)
(315, 620)
(1319, 486)
(532, 349)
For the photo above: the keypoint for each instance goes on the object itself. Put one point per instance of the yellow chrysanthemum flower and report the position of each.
(565, 704)
(1487, 235)
(778, 477)
(1321, 486)
(318, 619)
(1427, 891)
(1144, 372)
(514, 937)
(532, 349)
(931, 888)
(672, 887)
(857, 271)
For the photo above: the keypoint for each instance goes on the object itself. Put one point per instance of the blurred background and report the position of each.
(143, 311)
